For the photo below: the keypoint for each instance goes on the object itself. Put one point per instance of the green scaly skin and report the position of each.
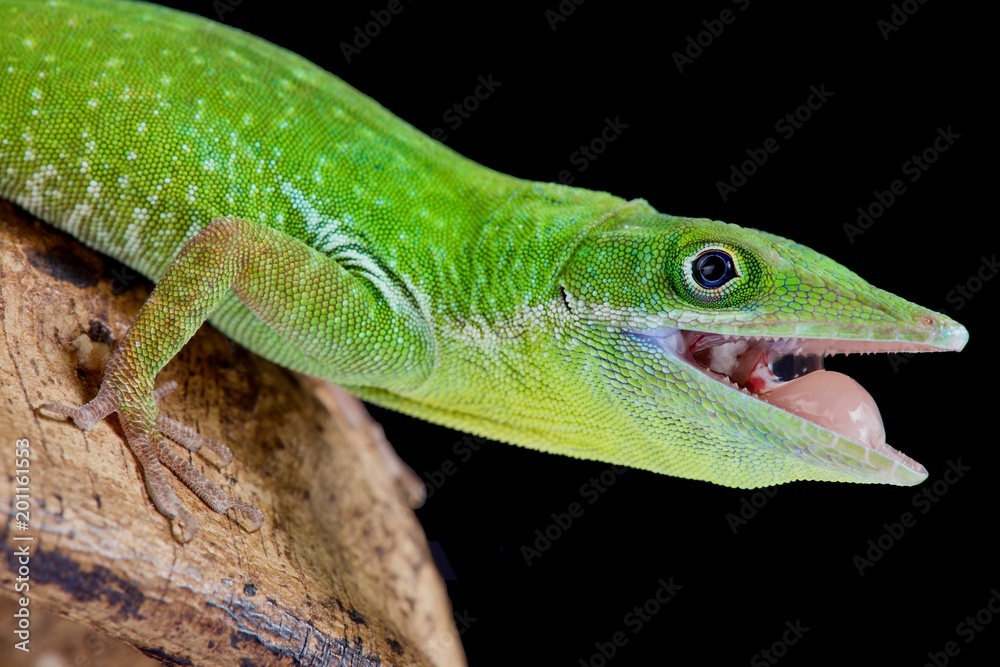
(349, 246)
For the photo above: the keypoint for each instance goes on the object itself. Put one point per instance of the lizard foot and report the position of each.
(146, 431)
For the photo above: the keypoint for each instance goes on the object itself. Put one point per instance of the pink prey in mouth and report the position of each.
(788, 373)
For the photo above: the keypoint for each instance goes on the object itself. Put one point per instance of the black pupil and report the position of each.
(713, 269)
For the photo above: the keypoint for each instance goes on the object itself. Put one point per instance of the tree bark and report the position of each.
(340, 573)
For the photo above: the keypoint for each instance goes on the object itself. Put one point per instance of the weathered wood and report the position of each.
(340, 573)
(58, 642)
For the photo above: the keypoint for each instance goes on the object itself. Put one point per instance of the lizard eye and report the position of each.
(716, 274)
(713, 269)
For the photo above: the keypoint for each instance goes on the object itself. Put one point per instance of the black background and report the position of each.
(795, 559)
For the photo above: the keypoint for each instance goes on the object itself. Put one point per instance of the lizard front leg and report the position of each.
(341, 322)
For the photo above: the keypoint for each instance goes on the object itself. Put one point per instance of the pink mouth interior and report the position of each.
(789, 374)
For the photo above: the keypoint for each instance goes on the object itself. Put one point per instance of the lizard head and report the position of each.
(710, 339)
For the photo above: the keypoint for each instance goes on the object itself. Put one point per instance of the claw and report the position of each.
(184, 527)
(190, 439)
(86, 416)
(147, 442)
(248, 516)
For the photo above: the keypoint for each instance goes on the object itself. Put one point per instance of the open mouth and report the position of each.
(789, 374)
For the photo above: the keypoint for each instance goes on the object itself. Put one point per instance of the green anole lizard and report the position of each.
(318, 230)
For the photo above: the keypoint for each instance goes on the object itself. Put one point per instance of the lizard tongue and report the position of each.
(834, 401)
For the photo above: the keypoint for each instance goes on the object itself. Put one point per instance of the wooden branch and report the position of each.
(340, 573)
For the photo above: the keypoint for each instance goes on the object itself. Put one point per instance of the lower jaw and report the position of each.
(800, 386)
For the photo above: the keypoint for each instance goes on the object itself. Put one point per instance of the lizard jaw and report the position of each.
(787, 373)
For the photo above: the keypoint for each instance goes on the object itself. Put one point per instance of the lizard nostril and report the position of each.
(926, 320)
